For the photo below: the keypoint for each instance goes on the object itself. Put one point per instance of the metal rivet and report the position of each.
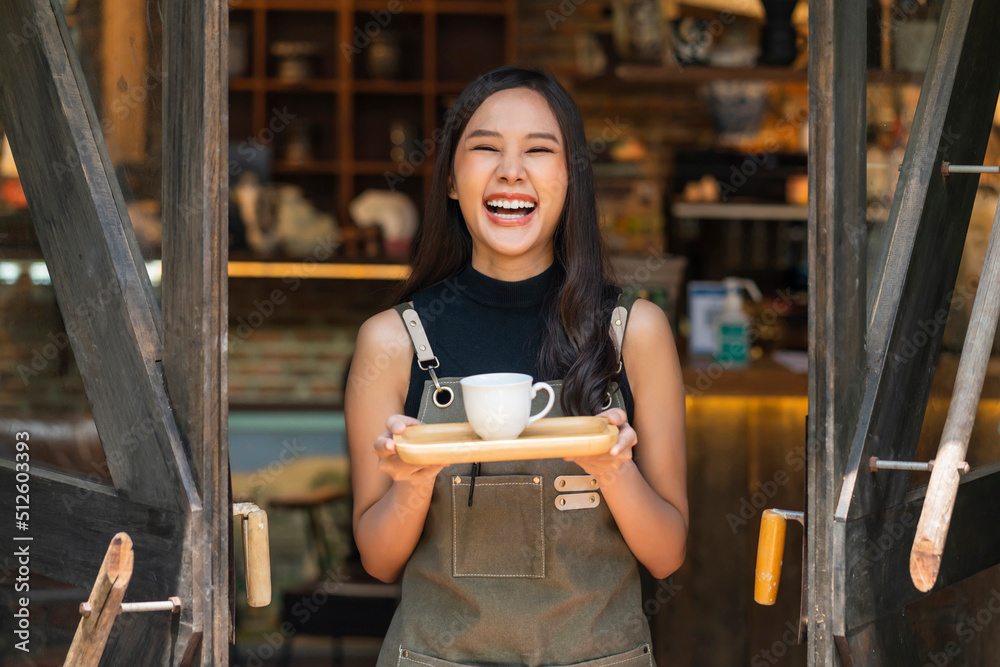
(618, 323)
(457, 480)
(406, 654)
(413, 323)
(423, 347)
(562, 501)
(562, 483)
(593, 482)
(645, 649)
(536, 480)
(591, 499)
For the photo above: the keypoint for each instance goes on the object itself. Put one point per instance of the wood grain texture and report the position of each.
(105, 604)
(195, 295)
(936, 515)
(80, 521)
(837, 252)
(927, 226)
(257, 558)
(87, 239)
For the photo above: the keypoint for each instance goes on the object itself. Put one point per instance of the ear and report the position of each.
(452, 192)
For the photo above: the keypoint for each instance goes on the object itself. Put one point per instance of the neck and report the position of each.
(511, 269)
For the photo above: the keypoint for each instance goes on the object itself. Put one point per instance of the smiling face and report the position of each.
(510, 179)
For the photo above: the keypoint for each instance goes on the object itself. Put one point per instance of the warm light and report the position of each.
(317, 270)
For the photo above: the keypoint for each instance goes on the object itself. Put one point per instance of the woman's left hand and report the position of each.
(606, 466)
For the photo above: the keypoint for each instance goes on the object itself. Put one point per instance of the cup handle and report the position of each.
(548, 406)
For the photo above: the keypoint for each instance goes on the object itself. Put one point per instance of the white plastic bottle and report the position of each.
(732, 327)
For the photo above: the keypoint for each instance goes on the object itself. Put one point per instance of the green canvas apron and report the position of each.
(521, 564)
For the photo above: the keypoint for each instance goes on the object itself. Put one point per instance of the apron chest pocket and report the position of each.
(503, 533)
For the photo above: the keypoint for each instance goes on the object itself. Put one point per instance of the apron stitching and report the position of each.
(541, 519)
(454, 532)
(418, 662)
(618, 662)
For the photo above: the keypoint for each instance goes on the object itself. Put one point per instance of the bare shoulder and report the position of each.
(649, 350)
(384, 329)
(382, 354)
(647, 324)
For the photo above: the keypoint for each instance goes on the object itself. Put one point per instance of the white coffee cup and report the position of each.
(498, 405)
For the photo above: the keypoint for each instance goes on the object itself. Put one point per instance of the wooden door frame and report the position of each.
(869, 384)
(157, 386)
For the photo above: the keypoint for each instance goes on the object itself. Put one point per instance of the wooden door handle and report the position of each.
(256, 553)
(770, 552)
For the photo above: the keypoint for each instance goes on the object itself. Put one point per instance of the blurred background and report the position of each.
(696, 113)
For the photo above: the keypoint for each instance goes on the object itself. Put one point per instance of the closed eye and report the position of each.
(485, 148)
(541, 150)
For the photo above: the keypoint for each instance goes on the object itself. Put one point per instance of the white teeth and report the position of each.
(508, 203)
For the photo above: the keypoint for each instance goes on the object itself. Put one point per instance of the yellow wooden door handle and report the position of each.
(770, 552)
(256, 554)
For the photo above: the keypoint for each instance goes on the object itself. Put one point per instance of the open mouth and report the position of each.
(509, 209)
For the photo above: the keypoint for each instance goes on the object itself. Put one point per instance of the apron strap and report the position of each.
(426, 359)
(421, 346)
(619, 320)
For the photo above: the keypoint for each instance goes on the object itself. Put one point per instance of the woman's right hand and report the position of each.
(389, 461)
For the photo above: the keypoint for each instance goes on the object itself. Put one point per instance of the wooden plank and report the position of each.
(878, 580)
(927, 226)
(837, 241)
(104, 604)
(195, 294)
(79, 520)
(85, 236)
(936, 516)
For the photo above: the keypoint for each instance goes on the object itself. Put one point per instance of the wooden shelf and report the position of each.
(721, 211)
(627, 77)
(389, 87)
(374, 168)
(346, 112)
(310, 167)
(321, 270)
(700, 74)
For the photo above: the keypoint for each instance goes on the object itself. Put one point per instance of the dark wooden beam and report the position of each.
(195, 288)
(885, 641)
(927, 228)
(878, 574)
(837, 231)
(80, 519)
(101, 285)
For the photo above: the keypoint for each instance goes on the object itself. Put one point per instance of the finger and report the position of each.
(396, 423)
(385, 445)
(615, 416)
(626, 440)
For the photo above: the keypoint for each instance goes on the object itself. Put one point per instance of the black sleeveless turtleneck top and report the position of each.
(477, 324)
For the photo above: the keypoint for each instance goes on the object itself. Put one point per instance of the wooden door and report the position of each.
(154, 378)
(873, 359)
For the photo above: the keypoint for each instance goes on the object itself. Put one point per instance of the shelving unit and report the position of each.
(345, 112)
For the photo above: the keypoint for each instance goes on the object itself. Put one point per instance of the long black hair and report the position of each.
(577, 314)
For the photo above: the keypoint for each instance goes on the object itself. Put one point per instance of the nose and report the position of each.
(511, 168)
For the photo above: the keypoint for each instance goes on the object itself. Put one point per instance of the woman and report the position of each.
(508, 275)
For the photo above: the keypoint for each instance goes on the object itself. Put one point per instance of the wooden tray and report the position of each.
(432, 444)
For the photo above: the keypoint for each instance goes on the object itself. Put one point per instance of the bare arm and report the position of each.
(391, 498)
(648, 498)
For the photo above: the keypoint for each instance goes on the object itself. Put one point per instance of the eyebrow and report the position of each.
(496, 135)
